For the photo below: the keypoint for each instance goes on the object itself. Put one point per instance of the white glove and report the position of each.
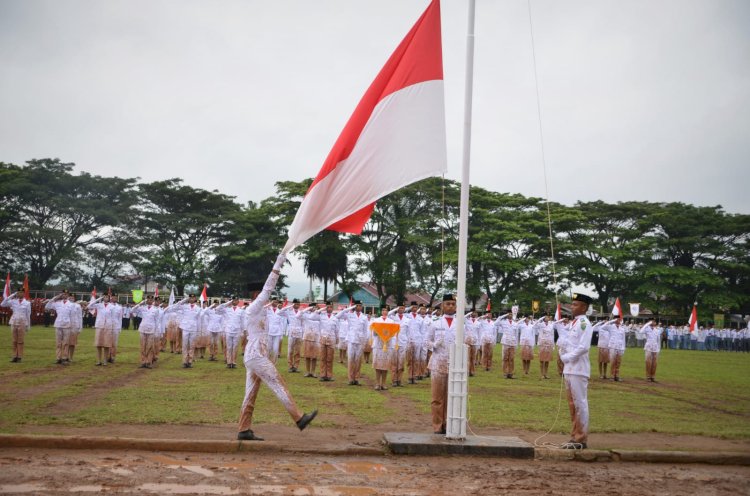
(279, 262)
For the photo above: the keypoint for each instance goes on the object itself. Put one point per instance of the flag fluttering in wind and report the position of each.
(558, 312)
(395, 136)
(617, 309)
(6, 289)
(156, 291)
(489, 305)
(204, 294)
(93, 295)
(693, 321)
(171, 297)
(26, 290)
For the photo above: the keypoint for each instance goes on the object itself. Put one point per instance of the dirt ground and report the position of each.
(31, 471)
(358, 435)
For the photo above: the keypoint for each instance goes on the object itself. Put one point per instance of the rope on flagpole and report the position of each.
(549, 216)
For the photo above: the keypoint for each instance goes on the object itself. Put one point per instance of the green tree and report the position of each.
(55, 215)
(180, 227)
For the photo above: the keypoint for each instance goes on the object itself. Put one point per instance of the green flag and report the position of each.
(137, 295)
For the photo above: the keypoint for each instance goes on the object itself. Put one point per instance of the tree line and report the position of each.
(82, 231)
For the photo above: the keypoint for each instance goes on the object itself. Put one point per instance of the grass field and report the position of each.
(699, 393)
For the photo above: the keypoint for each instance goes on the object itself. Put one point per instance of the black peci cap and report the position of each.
(449, 297)
(582, 297)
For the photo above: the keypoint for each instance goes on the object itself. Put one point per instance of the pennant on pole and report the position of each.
(693, 321)
(6, 290)
(26, 290)
(171, 297)
(204, 294)
(156, 291)
(395, 136)
(93, 295)
(558, 312)
(489, 305)
(617, 309)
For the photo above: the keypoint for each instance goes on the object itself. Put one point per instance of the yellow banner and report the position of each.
(385, 330)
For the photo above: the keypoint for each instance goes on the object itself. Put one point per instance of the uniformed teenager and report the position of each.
(577, 370)
(260, 369)
(20, 322)
(440, 337)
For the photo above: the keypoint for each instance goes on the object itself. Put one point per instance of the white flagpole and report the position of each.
(458, 369)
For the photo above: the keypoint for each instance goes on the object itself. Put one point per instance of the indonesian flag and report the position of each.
(26, 290)
(395, 136)
(489, 306)
(693, 321)
(204, 295)
(6, 290)
(93, 295)
(617, 309)
(156, 291)
(558, 312)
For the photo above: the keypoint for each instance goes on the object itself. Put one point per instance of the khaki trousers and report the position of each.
(61, 342)
(616, 357)
(262, 370)
(651, 359)
(487, 351)
(577, 389)
(147, 348)
(509, 359)
(188, 346)
(326, 360)
(293, 352)
(439, 404)
(19, 332)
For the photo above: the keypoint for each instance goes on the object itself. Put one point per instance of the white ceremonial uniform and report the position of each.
(63, 323)
(275, 321)
(232, 324)
(190, 314)
(357, 335)
(329, 334)
(441, 335)
(20, 323)
(577, 372)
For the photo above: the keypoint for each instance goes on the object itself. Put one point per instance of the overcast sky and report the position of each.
(640, 99)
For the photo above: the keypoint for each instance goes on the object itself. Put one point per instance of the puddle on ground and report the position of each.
(186, 489)
(32, 487)
(359, 467)
(86, 489)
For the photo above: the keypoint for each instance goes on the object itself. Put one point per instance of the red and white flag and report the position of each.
(6, 290)
(204, 294)
(558, 312)
(395, 136)
(617, 309)
(693, 321)
(156, 291)
(93, 294)
(489, 306)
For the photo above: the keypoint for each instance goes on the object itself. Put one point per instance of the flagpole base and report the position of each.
(458, 391)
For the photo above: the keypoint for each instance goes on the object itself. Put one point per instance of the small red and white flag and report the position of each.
(558, 312)
(6, 290)
(489, 305)
(617, 309)
(693, 321)
(204, 294)
(395, 136)
(156, 291)
(93, 294)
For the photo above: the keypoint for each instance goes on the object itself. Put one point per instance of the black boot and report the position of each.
(248, 435)
(306, 419)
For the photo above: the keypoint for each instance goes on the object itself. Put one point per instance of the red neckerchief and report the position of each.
(449, 320)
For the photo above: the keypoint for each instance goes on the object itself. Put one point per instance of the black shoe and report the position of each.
(184, 365)
(291, 370)
(14, 360)
(143, 366)
(248, 435)
(440, 432)
(323, 379)
(356, 383)
(412, 381)
(18, 359)
(574, 445)
(59, 362)
(306, 419)
(352, 383)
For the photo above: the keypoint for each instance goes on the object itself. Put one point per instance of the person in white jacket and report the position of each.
(603, 348)
(116, 327)
(76, 326)
(150, 315)
(651, 348)
(259, 367)
(441, 336)
(526, 342)
(401, 343)
(20, 322)
(295, 326)
(616, 345)
(577, 370)
(357, 336)
(232, 316)
(329, 333)
(546, 331)
(509, 342)
(189, 312)
(63, 309)
(382, 351)
(103, 334)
